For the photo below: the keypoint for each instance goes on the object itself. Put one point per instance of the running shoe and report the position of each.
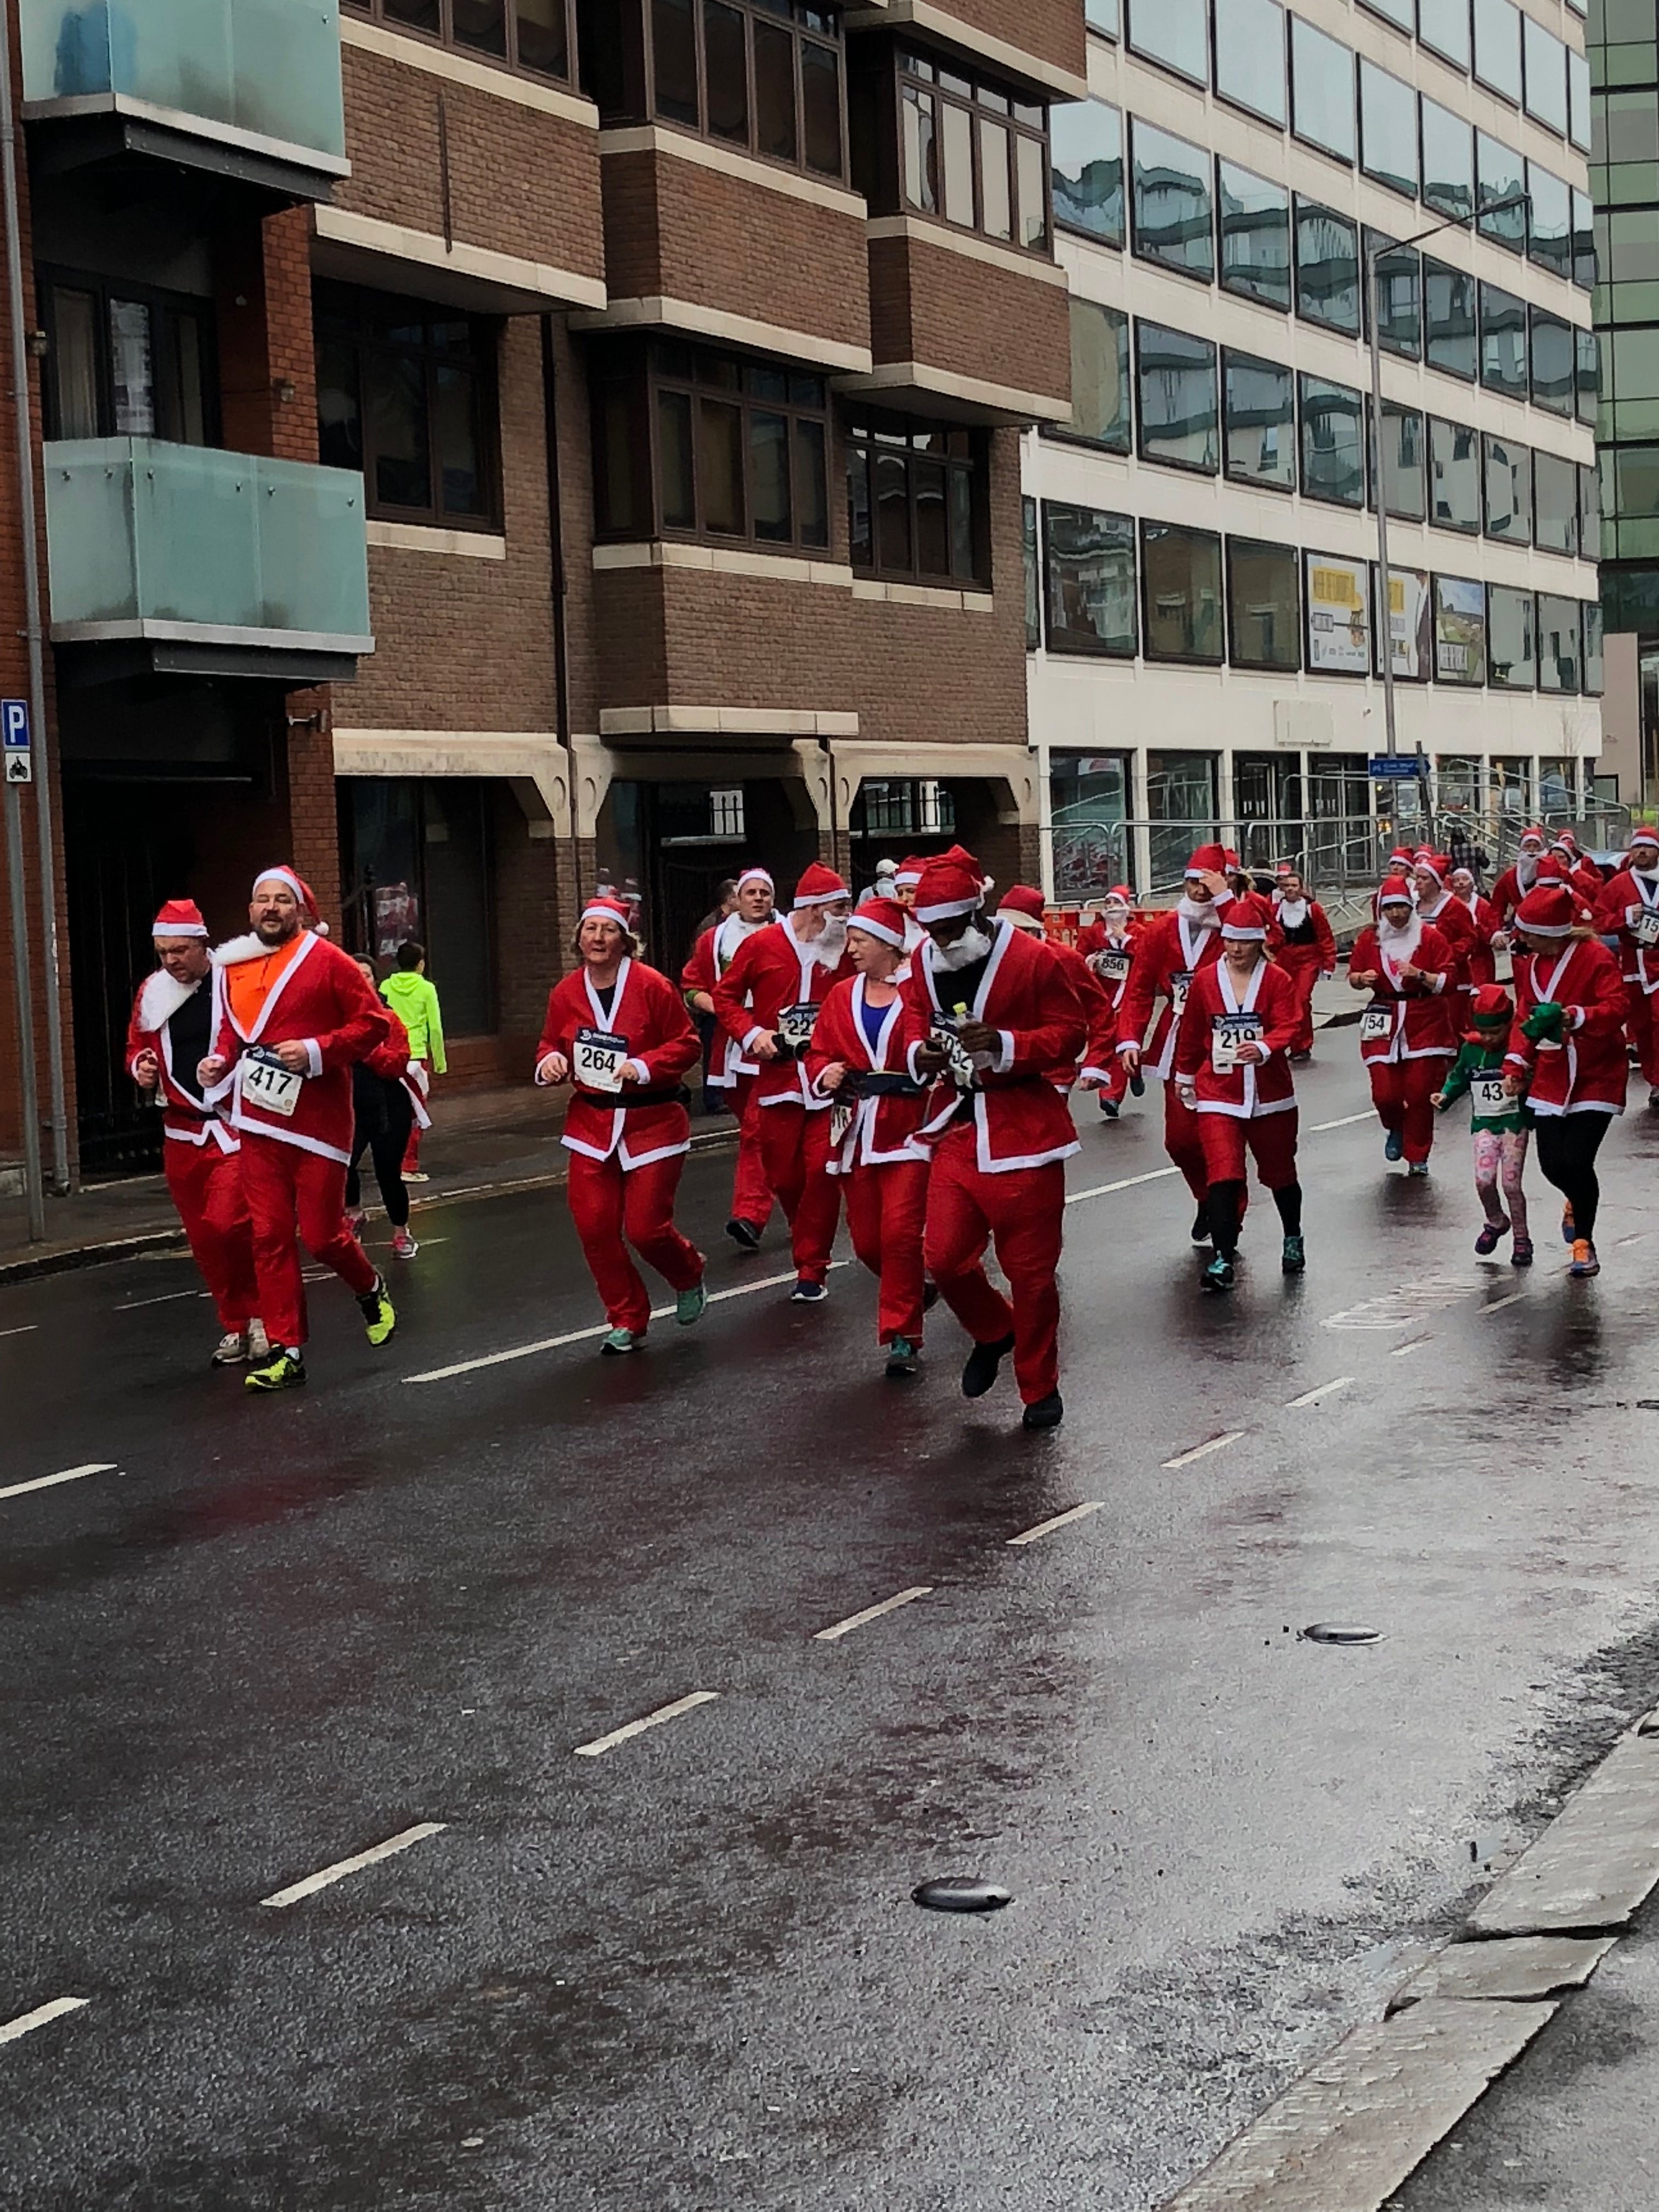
(1137, 1085)
(808, 1294)
(902, 1359)
(1219, 1276)
(1048, 1413)
(1568, 1234)
(1295, 1261)
(743, 1234)
(284, 1371)
(259, 1344)
(1522, 1256)
(404, 1246)
(1419, 1170)
(1108, 1109)
(1487, 1242)
(1300, 1059)
(1396, 1147)
(621, 1342)
(375, 1308)
(355, 1219)
(691, 1305)
(1584, 1261)
(983, 1362)
(1653, 1100)
(416, 1175)
(231, 1350)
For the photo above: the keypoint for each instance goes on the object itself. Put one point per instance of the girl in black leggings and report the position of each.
(385, 1115)
(1567, 1145)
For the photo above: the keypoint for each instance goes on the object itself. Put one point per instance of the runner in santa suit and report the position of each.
(292, 1015)
(1175, 947)
(1001, 1016)
(766, 1002)
(167, 1040)
(1432, 879)
(1567, 1050)
(1232, 1066)
(1024, 907)
(1582, 875)
(1515, 882)
(618, 1032)
(908, 875)
(1406, 1036)
(1108, 943)
(732, 1075)
(1307, 950)
(1628, 911)
(1486, 923)
(859, 1060)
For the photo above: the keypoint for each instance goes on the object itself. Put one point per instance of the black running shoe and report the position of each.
(1046, 1413)
(743, 1234)
(983, 1361)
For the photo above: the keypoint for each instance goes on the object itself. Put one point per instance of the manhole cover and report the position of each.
(961, 1893)
(1337, 1631)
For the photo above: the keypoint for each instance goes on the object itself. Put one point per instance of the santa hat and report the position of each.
(1552, 869)
(601, 908)
(297, 884)
(1120, 894)
(1435, 864)
(1395, 891)
(1022, 906)
(819, 886)
(1644, 834)
(179, 918)
(1491, 1003)
(952, 884)
(1248, 919)
(1399, 859)
(755, 875)
(1550, 911)
(1533, 837)
(1566, 842)
(1210, 860)
(883, 919)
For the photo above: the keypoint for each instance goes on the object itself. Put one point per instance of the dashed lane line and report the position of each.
(26, 2022)
(601, 1744)
(1497, 1305)
(27, 1329)
(330, 1874)
(1344, 1122)
(1320, 1390)
(1412, 1344)
(1203, 1450)
(1059, 1521)
(1129, 1182)
(872, 1613)
(51, 1481)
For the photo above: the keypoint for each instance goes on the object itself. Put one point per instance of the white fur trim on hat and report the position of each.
(282, 875)
(756, 876)
(1243, 933)
(878, 930)
(605, 910)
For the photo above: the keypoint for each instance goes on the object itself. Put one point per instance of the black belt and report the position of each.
(883, 1082)
(676, 1094)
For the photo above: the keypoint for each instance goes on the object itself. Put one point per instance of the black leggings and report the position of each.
(383, 1135)
(1567, 1145)
(1226, 1212)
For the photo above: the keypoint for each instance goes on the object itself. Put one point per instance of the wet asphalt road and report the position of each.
(686, 1973)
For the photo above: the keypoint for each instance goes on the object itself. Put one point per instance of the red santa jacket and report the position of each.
(884, 1125)
(186, 1117)
(771, 970)
(711, 955)
(1094, 937)
(1455, 923)
(393, 1062)
(1310, 943)
(1628, 909)
(1407, 1020)
(321, 999)
(1217, 1005)
(1587, 1069)
(642, 1121)
(1166, 960)
(1020, 1120)
(1508, 890)
(1481, 957)
(1099, 1012)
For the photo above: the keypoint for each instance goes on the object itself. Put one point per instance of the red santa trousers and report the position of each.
(1301, 964)
(206, 1185)
(1269, 1138)
(752, 1194)
(887, 1215)
(1116, 1088)
(1183, 1142)
(1642, 1031)
(1401, 1092)
(613, 1208)
(296, 1197)
(1024, 1211)
(412, 1149)
(795, 1152)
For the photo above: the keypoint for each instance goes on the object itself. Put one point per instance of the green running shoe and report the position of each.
(376, 1309)
(691, 1305)
(619, 1341)
(1295, 1262)
(904, 1359)
(284, 1370)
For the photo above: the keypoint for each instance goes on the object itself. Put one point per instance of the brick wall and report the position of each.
(932, 305)
(1051, 29)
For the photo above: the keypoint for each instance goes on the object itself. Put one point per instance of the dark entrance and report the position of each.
(674, 844)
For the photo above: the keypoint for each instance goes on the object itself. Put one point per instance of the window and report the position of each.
(1443, 26)
(1332, 442)
(1506, 470)
(1448, 297)
(1173, 32)
(1088, 796)
(1453, 477)
(1387, 128)
(1558, 643)
(1410, 626)
(1404, 466)
(1584, 240)
(1260, 421)
(1460, 630)
(1509, 638)
(1588, 354)
(1028, 546)
(1100, 378)
(972, 153)
(1448, 162)
(1101, 15)
(1590, 512)
(1499, 186)
(1088, 560)
(1175, 399)
(1397, 12)
(915, 495)
(1087, 155)
(1321, 90)
(1555, 504)
(1173, 222)
(1546, 77)
(1592, 660)
(1552, 363)
(1327, 268)
(406, 393)
(1249, 57)
(1339, 603)
(1497, 48)
(1399, 297)
(1502, 341)
(1549, 240)
(1255, 236)
(1578, 101)
(1264, 605)
(537, 36)
(763, 75)
(127, 360)
(1180, 587)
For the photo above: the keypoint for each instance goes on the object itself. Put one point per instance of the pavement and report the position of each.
(336, 1872)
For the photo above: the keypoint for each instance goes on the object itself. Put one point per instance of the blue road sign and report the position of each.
(1386, 768)
(17, 742)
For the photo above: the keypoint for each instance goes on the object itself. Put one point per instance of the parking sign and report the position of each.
(16, 741)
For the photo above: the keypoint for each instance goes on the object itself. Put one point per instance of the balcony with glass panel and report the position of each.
(249, 90)
(187, 560)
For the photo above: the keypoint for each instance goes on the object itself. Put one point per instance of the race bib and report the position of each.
(1179, 983)
(796, 1026)
(1490, 1097)
(958, 1060)
(1377, 1025)
(1643, 922)
(1112, 967)
(598, 1061)
(267, 1084)
(1228, 1033)
(840, 1120)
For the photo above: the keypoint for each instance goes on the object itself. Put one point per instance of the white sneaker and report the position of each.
(231, 1350)
(259, 1344)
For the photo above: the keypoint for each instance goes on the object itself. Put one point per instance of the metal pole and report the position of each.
(1385, 604)
(19, 377)
(23, 980)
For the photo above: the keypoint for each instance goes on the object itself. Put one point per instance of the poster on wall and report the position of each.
(1339, 615)
(1460, 630)
(396, 917)
(1411, 625)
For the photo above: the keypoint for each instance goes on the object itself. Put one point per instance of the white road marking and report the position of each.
(1061, 1521)
(29, 1327)
(1345, 1121)
(1202, 1451)
(1129, 1182)
(1641, 1236)
(1416, 1344)
(342, 1867)
(598, 1329)
(27, 2023)
(1323, 1390)
(601, 1744)
(872, 1613)
(69, 1474)
(1411, 1302)
(167, 1299)
(1498, 1304)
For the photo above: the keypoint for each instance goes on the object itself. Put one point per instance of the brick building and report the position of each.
(491, 445)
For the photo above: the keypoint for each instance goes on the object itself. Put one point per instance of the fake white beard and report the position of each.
(1197, 916)
(1402, 941)
(974, 943)
(1526, 869)
(1293, 913)
(1647, 875)
(829, 945)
